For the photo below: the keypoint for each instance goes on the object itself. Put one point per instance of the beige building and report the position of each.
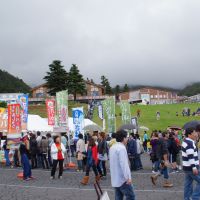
(150, 96)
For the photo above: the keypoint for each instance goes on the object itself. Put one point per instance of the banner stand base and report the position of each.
(71, 165)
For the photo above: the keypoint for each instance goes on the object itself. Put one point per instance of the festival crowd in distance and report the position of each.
(172, 151)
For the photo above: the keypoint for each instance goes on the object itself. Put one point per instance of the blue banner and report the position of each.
(23, 100)
(78, 119)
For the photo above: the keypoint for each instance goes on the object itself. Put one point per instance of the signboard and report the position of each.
(62, 108)
(14, 124)
(100, 111)
(109, 108)
(78, 119)
(50, 105)
(23, 100)
(145, 98)
(126, 112)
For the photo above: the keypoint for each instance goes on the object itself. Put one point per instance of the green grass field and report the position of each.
(148, 114)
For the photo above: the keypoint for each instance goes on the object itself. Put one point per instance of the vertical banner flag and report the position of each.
(23, 100)
(78, 119)
(14, 124)
(100, 111)
(109, 108)
(50, 105)
(62, 108)
(3, 120)
(126, 112)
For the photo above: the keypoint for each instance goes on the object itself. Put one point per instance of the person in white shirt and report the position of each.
(81, 151)
(119, 168)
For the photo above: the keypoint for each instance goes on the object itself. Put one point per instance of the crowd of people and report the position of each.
(169, 152)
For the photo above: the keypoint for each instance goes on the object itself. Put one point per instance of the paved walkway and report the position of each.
(69, 187)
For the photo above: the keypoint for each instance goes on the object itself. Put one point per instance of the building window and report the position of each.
(152, 96)
(161, 96)
(156, 96)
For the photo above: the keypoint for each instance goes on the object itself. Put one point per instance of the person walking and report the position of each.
(154, 144)
(80, 149)
(6, 153)
(102, 154)
(145, 140)
(140, 150)
(162, 155)
(119, 168)
(57, 153)
(39, 154)
(33, 151)
(50, 142)
(92, 160)
(132, 152)
(27, 174)
(191, 165)
(44, 152)
(173, 151)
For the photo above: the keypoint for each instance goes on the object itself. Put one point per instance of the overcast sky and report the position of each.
(153, 42)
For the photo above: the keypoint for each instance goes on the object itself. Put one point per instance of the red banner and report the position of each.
(14, 118)
(50, 105)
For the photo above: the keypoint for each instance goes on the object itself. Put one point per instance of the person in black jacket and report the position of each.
(162, 155)
(173, 151)
(132, 152)
(33, 151)
(102, 154)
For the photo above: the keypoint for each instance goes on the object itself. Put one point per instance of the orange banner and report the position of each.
(14, 118)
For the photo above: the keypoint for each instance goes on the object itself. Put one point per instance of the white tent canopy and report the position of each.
(37, 123)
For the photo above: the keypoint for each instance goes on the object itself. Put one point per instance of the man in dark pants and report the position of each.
(162, 155)
(132, 152)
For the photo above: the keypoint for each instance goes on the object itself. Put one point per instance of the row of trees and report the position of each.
(57, 79)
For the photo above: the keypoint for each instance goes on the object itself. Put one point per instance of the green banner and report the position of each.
(126, 112)
(62, 108)
(109, 109)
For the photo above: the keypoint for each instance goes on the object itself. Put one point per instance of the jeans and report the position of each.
(26, 166)
(125, 190)
(49, 158)
(39, 160)
(189, 193)
(164, 172)
(156, 166)
(6, 152)
(133, 163)
(102, 163)
(138, 162)
(80, 164)
(94, 169)
(55, 163)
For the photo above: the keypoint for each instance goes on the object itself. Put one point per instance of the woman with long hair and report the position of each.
(102, 154)
(92, 160)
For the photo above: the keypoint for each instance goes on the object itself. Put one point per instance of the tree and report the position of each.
(117, 89)
(106, 84)
(76, 83)
(56, 78)
(126, 88)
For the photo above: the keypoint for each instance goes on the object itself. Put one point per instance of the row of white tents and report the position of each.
(37, 123)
